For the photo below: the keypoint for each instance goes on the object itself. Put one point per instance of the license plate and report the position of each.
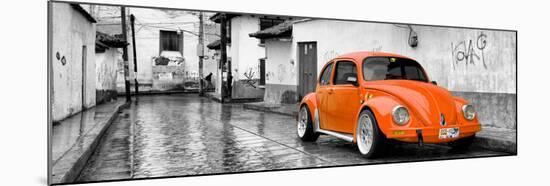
(445, 133)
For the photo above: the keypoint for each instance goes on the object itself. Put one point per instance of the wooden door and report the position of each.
(307, 68)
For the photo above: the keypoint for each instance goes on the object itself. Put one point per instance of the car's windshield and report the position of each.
(383, 68)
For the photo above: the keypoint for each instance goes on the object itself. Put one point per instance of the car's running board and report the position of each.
(343, 136)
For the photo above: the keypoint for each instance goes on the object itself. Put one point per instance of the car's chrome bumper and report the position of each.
(430, 134)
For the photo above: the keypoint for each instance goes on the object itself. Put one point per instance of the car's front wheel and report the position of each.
(369, 138)
(305, 125)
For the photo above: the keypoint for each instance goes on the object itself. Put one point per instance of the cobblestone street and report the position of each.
(183, 134)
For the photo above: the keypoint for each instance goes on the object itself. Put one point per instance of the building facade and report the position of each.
(166, 46)
(108, 54)
(245, 54)
(72, 61)
(479, 65)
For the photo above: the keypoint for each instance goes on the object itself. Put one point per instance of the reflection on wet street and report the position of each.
(178, 135)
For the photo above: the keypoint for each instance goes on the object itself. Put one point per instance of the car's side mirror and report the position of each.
(352, 80)
(434, 82)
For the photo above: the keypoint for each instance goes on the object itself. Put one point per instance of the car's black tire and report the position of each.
(373, 134)
(462, 144)
(304, 126)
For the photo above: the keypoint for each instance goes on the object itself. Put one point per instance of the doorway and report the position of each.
(307, 68)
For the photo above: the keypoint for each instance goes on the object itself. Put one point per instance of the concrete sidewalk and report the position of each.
(283, 109)
(74, 139)
(496, 139)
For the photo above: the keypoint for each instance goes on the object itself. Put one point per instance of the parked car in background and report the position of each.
(371, 97)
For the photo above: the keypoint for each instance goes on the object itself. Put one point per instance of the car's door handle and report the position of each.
(330, 91)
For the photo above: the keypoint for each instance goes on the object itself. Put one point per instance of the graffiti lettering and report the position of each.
(168, 61)
(329, 55)
(470, 52)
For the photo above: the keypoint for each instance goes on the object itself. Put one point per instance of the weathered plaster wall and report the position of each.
(280, 72)
(245, 55)
(106, 74)
(167, 78)
(70, 32)
(458, 59)
(479, 65)
(493, 109)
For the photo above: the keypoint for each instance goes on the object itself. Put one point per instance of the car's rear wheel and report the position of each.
(305, 125)
(369, 138)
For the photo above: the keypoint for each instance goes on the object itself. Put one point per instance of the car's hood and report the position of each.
(424, 100)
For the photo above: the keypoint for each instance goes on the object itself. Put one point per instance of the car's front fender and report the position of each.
(381, 106)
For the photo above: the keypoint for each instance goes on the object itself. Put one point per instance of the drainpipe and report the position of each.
(136, 86)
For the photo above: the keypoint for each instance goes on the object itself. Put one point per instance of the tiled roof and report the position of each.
(109, 41)
(281, 30)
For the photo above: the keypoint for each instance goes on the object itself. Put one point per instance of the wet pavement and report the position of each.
(180, 135)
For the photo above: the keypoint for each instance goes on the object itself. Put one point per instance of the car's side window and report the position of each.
(344, 69)
(325, 76)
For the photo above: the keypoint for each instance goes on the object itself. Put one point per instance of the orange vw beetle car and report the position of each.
(370, 97)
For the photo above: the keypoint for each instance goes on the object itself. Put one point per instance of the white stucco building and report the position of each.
(477, 64)
(166, 45)
(72, 60)
(245, 54)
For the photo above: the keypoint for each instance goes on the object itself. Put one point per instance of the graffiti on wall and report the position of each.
(469, 52)
(249, 78)
(59, 58)
(331, 54)
(268, 75)
(281, 73)
(168, 61)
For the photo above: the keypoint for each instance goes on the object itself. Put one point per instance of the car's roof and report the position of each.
(359, 56)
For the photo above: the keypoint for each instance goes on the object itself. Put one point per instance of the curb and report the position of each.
(269, 109)
(71, 164)
(233, 100)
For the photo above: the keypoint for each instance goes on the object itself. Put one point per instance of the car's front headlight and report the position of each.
(400, 115)
(469, 112)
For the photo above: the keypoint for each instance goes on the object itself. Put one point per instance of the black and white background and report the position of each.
(24, 92)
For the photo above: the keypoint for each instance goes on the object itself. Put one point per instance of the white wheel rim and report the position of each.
(364, 134)
(302, 122)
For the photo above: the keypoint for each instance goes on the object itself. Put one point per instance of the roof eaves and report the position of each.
(87, 15)
(216, 18)
(281, 30)
(110, 41)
